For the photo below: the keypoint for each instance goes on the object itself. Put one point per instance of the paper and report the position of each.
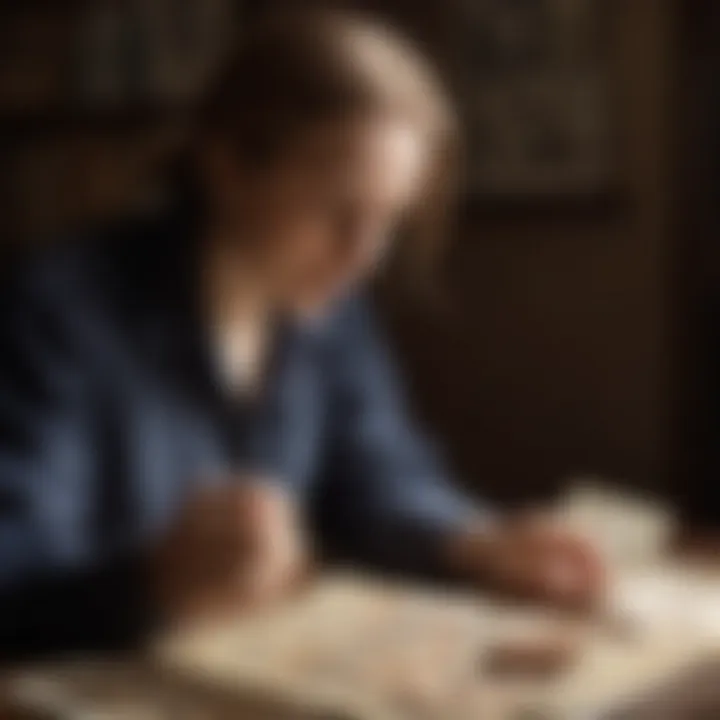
(670, 599)
(628, 529)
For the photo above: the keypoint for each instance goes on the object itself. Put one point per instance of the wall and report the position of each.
(557, 359)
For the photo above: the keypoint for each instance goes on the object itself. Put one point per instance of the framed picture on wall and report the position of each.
(535, 89)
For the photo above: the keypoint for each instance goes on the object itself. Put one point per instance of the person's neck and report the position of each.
(234, 294)
(239, 313)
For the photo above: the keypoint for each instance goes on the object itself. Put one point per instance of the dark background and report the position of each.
(574, 332)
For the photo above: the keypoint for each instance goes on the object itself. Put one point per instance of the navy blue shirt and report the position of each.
(111, 416)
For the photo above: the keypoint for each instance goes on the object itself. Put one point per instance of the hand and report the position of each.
(531, 558)
(232, 547)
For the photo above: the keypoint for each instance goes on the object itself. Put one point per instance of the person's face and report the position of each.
(322, 217)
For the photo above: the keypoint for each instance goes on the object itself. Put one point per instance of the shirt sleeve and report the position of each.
(389, 500)
(54, 593)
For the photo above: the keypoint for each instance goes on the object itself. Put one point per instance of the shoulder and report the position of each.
(46, 279)
(351, 321)
(356, 349)
(76, 274)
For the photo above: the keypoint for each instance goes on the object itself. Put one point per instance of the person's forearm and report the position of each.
(437, 547)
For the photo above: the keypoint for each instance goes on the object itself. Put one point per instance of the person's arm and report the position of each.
(389, 502)
(54, 596)
(388, 499)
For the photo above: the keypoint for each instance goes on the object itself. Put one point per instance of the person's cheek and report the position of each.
(298, 261)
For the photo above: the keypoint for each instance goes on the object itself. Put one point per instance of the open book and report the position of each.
(356, 648)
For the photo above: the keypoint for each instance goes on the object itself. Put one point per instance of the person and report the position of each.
(190, 400)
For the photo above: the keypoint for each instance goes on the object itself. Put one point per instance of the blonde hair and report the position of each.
(294, 70)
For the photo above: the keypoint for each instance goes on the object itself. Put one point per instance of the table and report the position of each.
(354, 648)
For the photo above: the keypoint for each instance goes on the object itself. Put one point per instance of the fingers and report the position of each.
(571, 572)
(233, 547)
(565, 583)
(210, 537)
(241, 520)
(568, 570)
(533, 559)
